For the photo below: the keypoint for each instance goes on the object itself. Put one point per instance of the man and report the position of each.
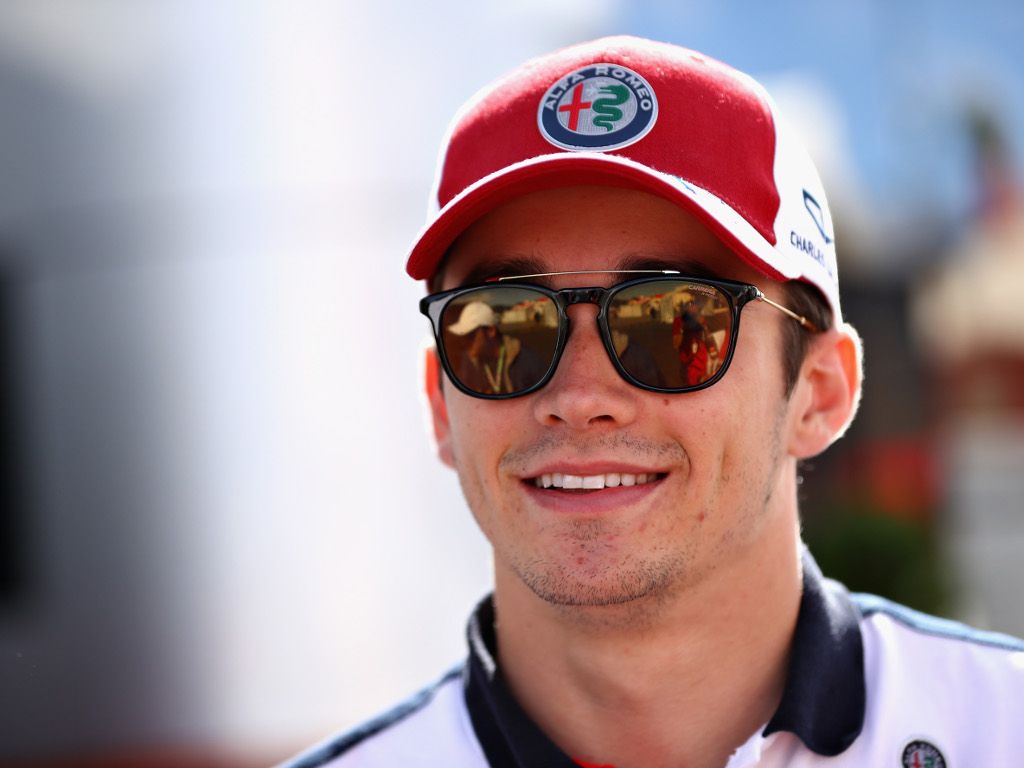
(653, 605)
(491, 361)
(689, 337)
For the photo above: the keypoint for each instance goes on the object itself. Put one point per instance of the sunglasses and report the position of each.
(663, 332)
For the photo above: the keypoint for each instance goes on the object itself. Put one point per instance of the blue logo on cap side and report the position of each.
(599, 107)
(817, 215)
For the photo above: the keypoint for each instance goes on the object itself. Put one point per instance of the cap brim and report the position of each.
(591, 168)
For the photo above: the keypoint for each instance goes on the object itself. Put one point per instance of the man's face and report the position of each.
(483, 341)
(700, 474)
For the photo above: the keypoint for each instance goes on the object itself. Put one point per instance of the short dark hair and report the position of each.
(804, 299)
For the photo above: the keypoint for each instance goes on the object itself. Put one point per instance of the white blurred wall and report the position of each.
(239, 533)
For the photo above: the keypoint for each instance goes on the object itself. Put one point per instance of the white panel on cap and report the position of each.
(738, 226)
(803, 214)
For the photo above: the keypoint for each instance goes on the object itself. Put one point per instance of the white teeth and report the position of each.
(593, 482)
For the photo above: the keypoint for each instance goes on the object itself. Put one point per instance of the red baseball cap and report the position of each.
(633, 113)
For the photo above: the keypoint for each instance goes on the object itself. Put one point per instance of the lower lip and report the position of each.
(591, 502)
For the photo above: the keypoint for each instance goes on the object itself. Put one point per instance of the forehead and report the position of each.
(589, 228)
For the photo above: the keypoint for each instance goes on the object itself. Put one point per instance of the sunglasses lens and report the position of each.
(501, 340)
(671, 334)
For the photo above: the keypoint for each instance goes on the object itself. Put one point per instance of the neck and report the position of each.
(678, 680)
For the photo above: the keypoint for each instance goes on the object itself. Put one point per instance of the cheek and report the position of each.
(736, 441)
(469, 427)
(481, 435)
(483, 432)
(470, 462)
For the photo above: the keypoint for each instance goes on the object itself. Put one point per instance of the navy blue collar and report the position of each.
(823, 701)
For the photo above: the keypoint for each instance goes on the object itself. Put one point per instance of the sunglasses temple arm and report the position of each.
(799, 318)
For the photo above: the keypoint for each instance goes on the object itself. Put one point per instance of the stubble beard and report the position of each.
(601, 580)
(586, 569)
(643, 577)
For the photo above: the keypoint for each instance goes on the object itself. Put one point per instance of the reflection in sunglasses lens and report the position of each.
(671, 334)
(500, 340)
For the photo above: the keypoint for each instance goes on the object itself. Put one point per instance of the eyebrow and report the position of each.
(687, 266)
(501, 266)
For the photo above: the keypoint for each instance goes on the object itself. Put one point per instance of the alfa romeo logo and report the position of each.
(603, 106)
(922, 754)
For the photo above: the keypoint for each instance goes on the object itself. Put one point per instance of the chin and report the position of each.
(605, 588)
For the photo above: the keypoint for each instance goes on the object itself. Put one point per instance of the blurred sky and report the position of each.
(900, 75)
(209, 205)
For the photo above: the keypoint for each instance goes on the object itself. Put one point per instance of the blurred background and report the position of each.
(224, 534)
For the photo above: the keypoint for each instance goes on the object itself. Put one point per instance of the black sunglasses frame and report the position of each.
(738, 295)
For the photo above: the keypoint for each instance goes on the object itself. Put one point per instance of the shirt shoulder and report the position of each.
(879, 609)
(429, 728)
(941, 682)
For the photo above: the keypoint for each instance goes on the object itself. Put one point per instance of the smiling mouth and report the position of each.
(562, 482)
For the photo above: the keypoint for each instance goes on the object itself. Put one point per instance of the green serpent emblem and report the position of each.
(608, 108)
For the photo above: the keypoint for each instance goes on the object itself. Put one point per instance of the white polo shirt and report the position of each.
(871, 684)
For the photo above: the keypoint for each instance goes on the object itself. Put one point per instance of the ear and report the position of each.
(438, 409)
(827, 392)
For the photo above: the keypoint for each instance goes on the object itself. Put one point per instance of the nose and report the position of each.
(586, 391)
